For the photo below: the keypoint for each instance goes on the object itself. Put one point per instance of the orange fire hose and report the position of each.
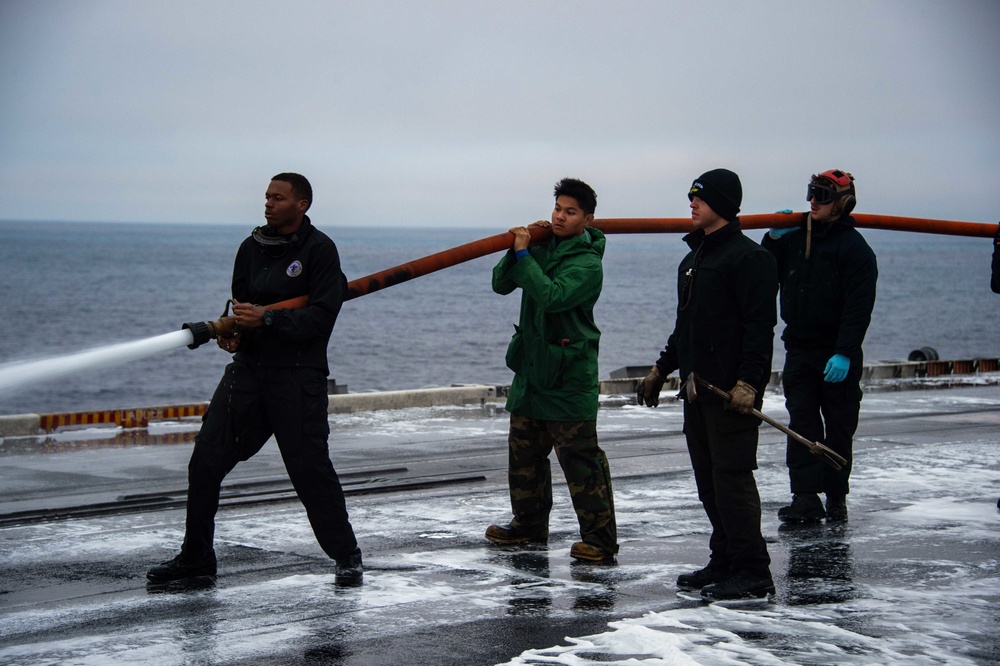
(296, 303)
(437, 261)
(486, 246)
(626, 225)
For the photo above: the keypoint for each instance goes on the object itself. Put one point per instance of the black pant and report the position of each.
(249, 405)
(723, 449)
(824, 412)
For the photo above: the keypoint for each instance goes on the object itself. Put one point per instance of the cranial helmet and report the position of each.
(833, 186)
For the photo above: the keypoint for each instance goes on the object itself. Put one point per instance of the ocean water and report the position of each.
(70, 287)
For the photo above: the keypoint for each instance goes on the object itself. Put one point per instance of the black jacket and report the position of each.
(995, 275)
(264, 275)
(726, 312)
(827, 299)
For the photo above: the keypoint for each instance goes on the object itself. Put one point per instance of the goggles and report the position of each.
(822, 194)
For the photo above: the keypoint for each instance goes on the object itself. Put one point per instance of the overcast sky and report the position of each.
(465, 113)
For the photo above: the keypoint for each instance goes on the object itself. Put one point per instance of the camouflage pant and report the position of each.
(584, 465)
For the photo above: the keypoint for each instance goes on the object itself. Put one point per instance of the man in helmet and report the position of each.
(827, 274)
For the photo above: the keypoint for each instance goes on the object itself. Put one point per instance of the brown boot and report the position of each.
(508, 534)
(589, 553)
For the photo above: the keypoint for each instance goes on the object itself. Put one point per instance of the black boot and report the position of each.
(836, 508)
(350, 571)
(742, 585)
(805, 508)
(696, 580)
(181, 568)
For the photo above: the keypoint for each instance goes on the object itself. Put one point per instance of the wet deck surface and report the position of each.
(912, 578)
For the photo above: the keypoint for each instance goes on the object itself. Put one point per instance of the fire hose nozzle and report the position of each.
(225, 326)
(204, 331)
(200, 331)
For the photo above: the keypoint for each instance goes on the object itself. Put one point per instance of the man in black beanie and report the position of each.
(721, 190)
(724, 332)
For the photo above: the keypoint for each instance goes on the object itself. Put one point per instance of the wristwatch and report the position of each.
(268, 317)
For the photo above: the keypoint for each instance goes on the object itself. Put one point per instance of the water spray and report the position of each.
(192, 335)
(21, 374)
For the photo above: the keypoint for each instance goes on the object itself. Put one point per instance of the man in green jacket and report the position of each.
(553, 399)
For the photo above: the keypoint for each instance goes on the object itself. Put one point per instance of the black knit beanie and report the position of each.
(720, 189)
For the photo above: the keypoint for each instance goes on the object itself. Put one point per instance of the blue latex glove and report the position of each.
(778, 233)
(836, 368)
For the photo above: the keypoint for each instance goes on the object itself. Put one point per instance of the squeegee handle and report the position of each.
(828, 455)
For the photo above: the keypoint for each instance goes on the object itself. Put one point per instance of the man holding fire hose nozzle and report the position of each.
(276, 385)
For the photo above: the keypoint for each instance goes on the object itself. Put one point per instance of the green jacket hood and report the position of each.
(590, 240)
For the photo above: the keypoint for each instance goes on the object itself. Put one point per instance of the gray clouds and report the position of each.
(465, 113)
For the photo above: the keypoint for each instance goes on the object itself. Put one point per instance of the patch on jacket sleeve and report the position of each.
(294, 269)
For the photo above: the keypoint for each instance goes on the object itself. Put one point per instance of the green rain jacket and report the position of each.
(554, 349)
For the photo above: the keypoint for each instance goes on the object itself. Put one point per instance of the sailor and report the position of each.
(553, 398)
(724, 335)
(995, 276)
(276, 384)
(827, 274)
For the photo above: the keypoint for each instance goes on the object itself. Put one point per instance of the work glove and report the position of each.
(648, 391)
(836, 368)
(741, 398)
